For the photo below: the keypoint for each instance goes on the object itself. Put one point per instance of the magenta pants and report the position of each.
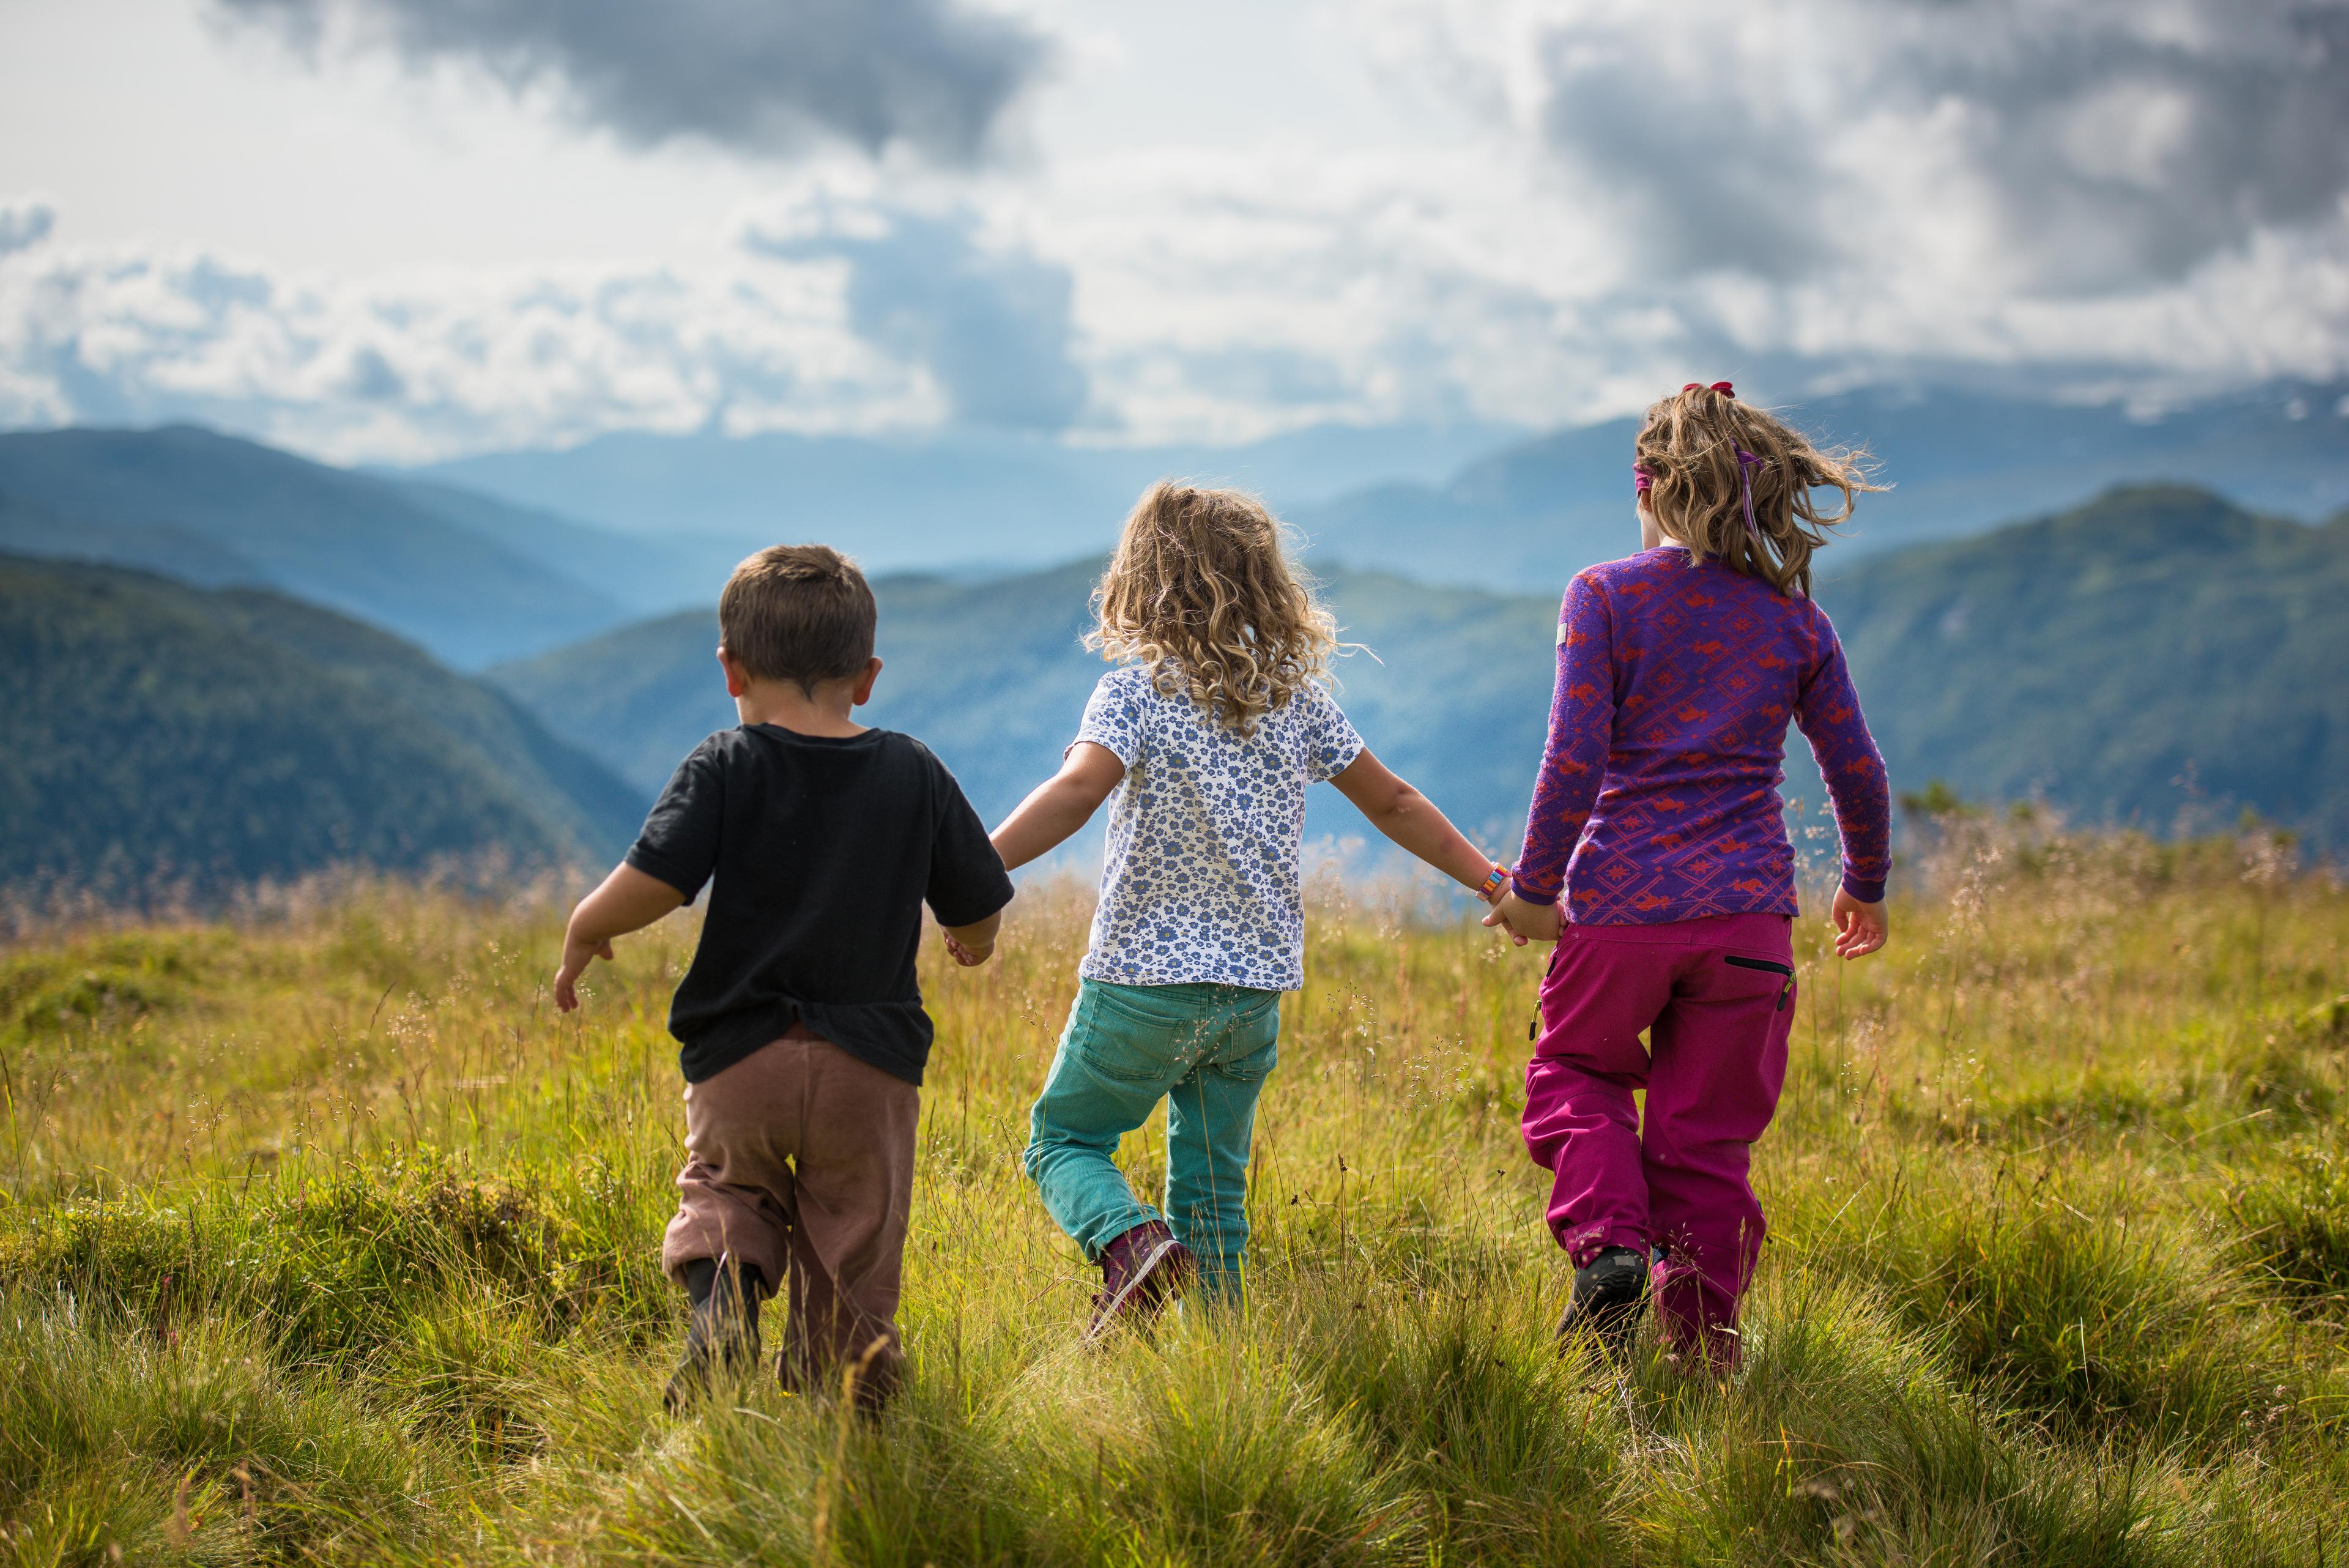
(1716, 999)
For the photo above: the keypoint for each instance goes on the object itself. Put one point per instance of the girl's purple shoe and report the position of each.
(1142, 1271)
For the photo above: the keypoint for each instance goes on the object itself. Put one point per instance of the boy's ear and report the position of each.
(862, 692)
(738, 680)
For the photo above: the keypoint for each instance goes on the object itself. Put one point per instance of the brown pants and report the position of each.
(800, 1163)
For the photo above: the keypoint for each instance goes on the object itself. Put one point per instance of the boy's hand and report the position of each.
(628, 900)
(1524, 922)
(576, 956)
(1860, 929)
(974, 944)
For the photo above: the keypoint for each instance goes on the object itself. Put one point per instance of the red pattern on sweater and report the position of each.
(1658, 799)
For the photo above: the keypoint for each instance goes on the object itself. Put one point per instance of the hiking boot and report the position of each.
(1610, 1293)
(1142, 1271)
(722, 1335)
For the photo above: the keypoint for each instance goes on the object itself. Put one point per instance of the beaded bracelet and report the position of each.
(1496, 879)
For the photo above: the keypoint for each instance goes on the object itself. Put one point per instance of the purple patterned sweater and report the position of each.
(1658, 798)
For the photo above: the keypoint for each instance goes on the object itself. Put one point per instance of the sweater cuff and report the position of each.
(1865, 891)
(1526, 895)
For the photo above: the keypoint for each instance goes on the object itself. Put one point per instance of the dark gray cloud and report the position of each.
(1709, 179)
(763, 76)
(992, 327)
(2113, 144)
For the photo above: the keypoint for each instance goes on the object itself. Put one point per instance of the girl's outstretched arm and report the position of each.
(1574, 758)
(1062, 804)
(1411, 820)
(1828, 714)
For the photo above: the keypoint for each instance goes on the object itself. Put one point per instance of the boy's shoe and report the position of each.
(1142, 1271)
(1610, 1293)
(723, 1333)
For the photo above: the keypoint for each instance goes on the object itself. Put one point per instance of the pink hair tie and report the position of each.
(1641, 480)
(1724, 387)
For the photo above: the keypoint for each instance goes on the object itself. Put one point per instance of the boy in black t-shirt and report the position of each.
(802, 1025)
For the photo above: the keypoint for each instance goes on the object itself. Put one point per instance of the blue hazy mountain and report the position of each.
(581, 541)
(1462, 505)
(472, 579)
(155, 736)
(945, 502)
(2093, 658)
(1959, 463)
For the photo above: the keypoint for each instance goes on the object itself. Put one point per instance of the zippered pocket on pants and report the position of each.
(1737, 961)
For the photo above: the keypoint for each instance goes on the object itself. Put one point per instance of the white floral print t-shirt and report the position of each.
(1200, 884)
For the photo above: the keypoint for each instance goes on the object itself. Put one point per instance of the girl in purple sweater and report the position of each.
(1657, 816)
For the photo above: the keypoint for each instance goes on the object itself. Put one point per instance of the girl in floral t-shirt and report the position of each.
(1203, 741)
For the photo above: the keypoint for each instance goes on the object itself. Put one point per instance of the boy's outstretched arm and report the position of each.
(629, 900)
(1062, 804)
(1411, 820)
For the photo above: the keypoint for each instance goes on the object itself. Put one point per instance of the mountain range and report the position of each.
(159, 738)
(1449, 685)
(1513, 515)
(1956, 465)
(2159, 654)
(472, 578)
(272, 687)
(498, 558)
(2155, 650)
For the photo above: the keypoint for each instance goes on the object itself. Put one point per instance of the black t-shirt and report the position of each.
(823, 850)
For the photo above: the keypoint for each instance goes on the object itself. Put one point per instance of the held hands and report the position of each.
(1860, 929)
(969, 957)
(577, 953)
(1524, 922)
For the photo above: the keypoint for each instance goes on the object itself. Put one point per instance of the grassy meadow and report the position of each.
(323, 1235)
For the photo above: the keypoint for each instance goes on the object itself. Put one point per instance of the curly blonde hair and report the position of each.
(1201, 589)
(1698, 446)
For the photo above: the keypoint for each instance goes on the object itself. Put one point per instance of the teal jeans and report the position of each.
(1203, 1049)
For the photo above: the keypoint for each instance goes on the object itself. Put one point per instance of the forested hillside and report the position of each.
(471, 579)
(2157, 649)
(1449, 685)
(158, 738)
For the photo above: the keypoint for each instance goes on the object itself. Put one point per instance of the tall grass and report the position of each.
(323, 1235)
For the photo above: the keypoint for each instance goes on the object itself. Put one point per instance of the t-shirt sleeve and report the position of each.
(1114, 717)
(678, 844)
(967, 882)
(1332, 745)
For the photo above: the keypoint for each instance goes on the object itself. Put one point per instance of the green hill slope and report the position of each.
(153, 734)
(467, 577)
(1451, 685)
(2155, 649)
(2092, 659)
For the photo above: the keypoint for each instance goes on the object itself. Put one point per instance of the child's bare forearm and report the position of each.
(1417, 825)
(1410, 820)
(1056, 808)
(1047, 819)
(628, 900)
(979, 935)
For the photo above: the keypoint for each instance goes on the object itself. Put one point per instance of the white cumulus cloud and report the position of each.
(2061, 197)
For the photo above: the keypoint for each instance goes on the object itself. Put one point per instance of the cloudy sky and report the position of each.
(402, 229)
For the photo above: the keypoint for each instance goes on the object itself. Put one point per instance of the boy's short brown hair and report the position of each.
(802, 613)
